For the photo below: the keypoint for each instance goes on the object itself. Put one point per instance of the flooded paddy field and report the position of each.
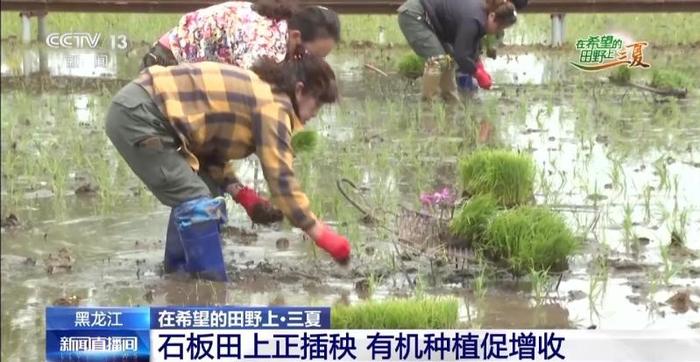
(621, 164)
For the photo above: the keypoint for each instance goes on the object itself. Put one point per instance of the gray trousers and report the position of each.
(439, 71)
(415, 28)
(149, 145)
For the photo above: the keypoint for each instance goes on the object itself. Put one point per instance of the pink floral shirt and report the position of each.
(231, 32)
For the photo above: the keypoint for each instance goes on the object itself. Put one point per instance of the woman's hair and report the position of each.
(302, 66)
(504, 10)
(314, 22)
(276, 9)
(519, 4)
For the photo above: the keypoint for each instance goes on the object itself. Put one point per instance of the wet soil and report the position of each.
(681, 302)
(82, 251)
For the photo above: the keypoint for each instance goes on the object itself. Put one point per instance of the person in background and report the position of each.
(178, 127)
(445, 32)
(241, 32)
(465, 82)
(490, 49)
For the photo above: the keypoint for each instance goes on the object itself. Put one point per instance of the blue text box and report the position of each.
(234, 317)
(85, 318)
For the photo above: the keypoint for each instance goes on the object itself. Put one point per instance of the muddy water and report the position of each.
(613, 161)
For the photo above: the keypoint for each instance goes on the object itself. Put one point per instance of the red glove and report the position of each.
(336, 245)
(482, 77)
(258, 209)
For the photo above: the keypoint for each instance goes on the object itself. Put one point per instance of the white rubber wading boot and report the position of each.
(431, 79)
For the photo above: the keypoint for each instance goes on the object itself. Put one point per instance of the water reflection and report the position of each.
(181, 291)
(107, 247)
(503, 310)
(79, 63)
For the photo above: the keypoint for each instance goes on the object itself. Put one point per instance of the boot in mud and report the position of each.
(174, 259)
(448, 83)
(198, 223)
(431, 79)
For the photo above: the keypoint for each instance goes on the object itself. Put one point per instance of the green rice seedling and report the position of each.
(627, 225)
(411, 66)
(507, 176)
(440, 114)
(595, 196)
(647, 203)
(654, 277)
(544, 183)
(479, 285)
(373, 282)
(530, 238)
(617, 174)
(621, 75)
(664, 78)
(564, 180)
(541, 281)
(669, 268)
(598, 281)
(538, 118)
(58, 171)
(678, 228)
(414, 313)
(662, 171)
(472, 218)
(304, 141)
(676, 184)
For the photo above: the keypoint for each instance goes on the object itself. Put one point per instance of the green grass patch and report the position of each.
(670, 79)
(621, 75)
(411, 66)
(136, 27)
(529, 238)
(472, 219)
(507, 176)
(531, 28)
(414, 313)
(304, 141)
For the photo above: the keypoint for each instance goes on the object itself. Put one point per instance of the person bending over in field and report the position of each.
(445, 32)
(178, 127)
(241, 32)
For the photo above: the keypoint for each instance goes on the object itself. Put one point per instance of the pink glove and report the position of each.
(336, 245)
(482, 77)
(258, 209)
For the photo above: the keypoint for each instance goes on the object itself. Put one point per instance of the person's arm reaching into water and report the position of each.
(465, 48)
(272, 133)
(465, 45)
(258, 208)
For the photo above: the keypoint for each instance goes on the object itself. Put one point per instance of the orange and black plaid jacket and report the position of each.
(223, 113)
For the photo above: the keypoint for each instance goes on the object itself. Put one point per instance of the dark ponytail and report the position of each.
(276, 9)
(504, 10)
(314, 22)
(302, 66)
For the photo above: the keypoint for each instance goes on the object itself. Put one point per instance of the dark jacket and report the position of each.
(460, 25)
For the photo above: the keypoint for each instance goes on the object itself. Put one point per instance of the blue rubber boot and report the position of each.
(198, 222)
(174, 260)
(465, 83)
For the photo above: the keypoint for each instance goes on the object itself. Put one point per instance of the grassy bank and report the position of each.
(660, 29)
